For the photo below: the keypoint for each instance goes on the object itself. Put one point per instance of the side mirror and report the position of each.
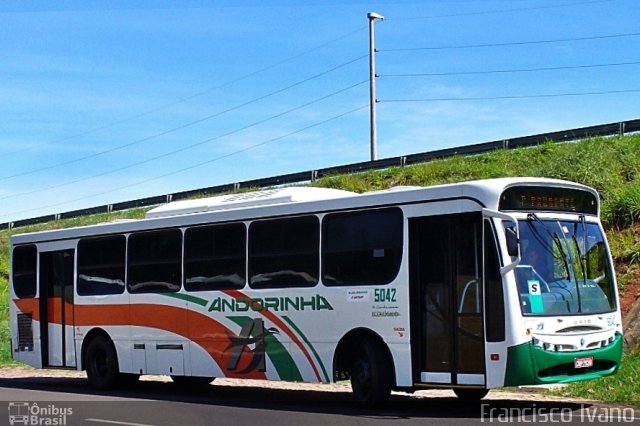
(510, 225)
(512, 241)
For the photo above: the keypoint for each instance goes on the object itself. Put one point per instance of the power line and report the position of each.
(494, 11)
(187, 98)
(513, 43)
(506, 71)
(181, 127)
(493, 98)
(193, 166)
(202, 163)
(188, 147)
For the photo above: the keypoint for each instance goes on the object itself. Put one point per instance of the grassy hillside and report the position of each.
(611, 165)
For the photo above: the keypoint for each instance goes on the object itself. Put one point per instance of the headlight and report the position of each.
(549, 347)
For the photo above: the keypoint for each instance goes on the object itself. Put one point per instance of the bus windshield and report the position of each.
(565, 268)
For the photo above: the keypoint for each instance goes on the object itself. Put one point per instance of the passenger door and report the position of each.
(447, 323)
(57, 308)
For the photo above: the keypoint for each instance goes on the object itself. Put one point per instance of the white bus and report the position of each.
(467, 286)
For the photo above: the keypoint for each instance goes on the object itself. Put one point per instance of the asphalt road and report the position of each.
(69, 401)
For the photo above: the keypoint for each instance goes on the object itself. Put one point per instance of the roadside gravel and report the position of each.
(530, 394)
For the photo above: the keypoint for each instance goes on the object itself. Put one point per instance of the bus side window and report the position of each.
(284, 252)
(155, 261)
(101, 265)
(215, 257)
(25, 261)
(362, 248)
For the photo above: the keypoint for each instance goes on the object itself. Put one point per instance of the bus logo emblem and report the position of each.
(253, 332)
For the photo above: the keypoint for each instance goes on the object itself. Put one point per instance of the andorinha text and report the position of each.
(300, 303)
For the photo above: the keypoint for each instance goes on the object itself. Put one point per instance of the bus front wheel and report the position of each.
(102, 363)
(371, 374)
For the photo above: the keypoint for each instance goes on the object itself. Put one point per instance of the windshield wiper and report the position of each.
(582, 251)
(555, 238)
(582, 257)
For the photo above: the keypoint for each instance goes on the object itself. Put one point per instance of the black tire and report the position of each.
(371, 374)
(471, 394)
(191, 381)
(101, 363)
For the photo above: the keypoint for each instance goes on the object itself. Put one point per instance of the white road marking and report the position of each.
(115, 422)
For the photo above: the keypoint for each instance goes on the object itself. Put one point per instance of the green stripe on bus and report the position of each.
(315, 354)
(187, 297)
(281, 359)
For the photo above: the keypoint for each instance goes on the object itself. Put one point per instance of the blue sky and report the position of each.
(102, 102)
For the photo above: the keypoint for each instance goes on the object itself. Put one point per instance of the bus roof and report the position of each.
(267, 197)
(294, 201)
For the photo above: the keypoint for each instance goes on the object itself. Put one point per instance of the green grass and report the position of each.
(619, 388)
(625, 246)
(5, 336)
(611, 165)
(623, 206)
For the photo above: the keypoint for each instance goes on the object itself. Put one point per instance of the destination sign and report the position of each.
(549, 199)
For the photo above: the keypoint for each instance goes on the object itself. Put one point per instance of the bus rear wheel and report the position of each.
(371, 374)
(102, 364)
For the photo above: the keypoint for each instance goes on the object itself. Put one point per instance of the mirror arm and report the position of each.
(505, 216)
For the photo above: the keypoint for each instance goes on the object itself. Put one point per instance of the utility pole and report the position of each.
(372, 16)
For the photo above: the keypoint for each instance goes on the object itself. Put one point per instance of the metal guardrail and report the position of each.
(619, 128)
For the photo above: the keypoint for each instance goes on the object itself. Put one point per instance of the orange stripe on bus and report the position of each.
(169, 318)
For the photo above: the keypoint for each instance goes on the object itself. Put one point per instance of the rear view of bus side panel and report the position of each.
(24, 307)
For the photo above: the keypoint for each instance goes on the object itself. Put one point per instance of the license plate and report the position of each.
(583, 362)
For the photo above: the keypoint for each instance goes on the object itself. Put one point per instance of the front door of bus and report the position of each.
(446, 284)
(56, 308)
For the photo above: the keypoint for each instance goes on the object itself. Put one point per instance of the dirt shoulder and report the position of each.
(530, 394)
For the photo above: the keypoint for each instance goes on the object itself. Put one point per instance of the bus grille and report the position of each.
(25, 332)
(569, 370)
(580, 329)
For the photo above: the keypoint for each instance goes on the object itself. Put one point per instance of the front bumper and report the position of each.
(531, 365)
